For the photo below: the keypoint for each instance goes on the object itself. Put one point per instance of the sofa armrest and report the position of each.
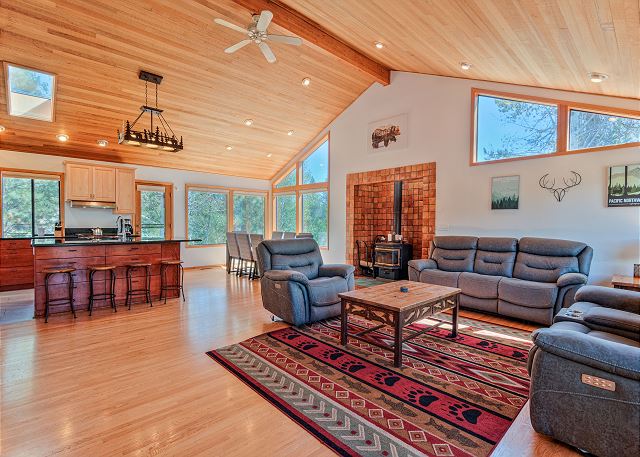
(286, 275)
(571, 279)
(423, 264)
(624, 300)
(336, 269)
(615, 358)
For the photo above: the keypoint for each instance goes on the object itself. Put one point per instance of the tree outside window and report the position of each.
(207, 216)
(29, 206)
(315, 207)
(286, 213)
(152, 214)
(248, 213)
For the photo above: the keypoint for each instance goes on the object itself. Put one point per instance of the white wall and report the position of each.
(92, 217)
(439, 130)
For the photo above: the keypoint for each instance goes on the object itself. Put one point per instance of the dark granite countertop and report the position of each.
(42, 242)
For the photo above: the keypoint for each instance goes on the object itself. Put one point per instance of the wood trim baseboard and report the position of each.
(206, 267)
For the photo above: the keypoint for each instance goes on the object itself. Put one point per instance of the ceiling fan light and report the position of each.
(306, 81)
(597, 77)
(63, 137)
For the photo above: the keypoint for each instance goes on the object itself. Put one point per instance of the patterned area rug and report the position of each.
(453, 397)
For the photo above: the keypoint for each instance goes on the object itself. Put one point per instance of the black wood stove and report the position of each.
(391, 258)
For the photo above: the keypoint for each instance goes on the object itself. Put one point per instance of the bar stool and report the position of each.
(111, 294)
(164, 287)
(146, 291)
(68, 300)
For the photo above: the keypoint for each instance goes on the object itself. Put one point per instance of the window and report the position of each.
(511, 126)
(589, 130)
(315, 168)
(154, 209)
(315, 213)
(207, 218)
(248, 213)
(286, 213)
(288, 181)
(301, 197)
(30, 93)
(30, 204)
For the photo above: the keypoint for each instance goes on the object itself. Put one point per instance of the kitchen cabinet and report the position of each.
(16, 264)
(125, 191)
(104, 184)
(101, 183)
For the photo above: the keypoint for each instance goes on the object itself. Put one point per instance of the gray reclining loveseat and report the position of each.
(530, 278)
(296, 286)
(585, 374)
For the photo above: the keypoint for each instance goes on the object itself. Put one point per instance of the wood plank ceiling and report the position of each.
(96, 48)
(546, 43)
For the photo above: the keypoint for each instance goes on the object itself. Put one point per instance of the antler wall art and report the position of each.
(560, 191)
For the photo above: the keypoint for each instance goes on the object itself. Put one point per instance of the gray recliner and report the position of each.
(530, 278)
(296, 286)
(585, 374)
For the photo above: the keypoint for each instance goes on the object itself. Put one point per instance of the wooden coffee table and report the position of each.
(386, 304)
(626, 282)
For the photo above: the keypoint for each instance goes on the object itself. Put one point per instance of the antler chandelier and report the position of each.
(154, 139)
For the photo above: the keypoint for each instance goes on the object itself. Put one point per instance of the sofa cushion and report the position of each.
(495, 256)
(454, 253)
(551, 247)
(479, 286)
(324, 291)
(440, 278)
(302, 255)
(489, 305)
(543, 268)
(531, 294)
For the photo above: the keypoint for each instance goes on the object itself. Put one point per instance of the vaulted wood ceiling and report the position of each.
(97, 48)
(546, 43)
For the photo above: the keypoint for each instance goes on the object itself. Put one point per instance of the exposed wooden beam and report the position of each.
(310, 31)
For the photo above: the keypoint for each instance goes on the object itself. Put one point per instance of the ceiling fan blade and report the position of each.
(285, 39)
(235, 47)
(268, 53)
(237, 28)
(264, 21)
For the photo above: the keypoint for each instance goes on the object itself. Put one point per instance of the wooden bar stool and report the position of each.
(146, 291)
(68, 300)
(108, 295)
(164, 286)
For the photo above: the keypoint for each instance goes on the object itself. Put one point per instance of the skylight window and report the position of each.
(30, 93)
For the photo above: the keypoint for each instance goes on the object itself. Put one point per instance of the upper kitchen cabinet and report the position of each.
(101, 186)
(125, 191)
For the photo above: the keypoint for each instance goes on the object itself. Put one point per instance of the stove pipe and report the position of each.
(397, 207)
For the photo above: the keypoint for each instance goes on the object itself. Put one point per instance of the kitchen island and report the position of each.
(81, 254)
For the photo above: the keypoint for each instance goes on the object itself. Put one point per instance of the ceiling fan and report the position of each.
(257, 33)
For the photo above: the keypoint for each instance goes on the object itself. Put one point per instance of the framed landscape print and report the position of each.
(505, 192)
(623, 187)
(388, 134)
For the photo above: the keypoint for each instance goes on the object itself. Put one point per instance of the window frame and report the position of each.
(168, 206)
(298, 189)
(32, 174)
(54, 87)
(562, 127)
(230, 191)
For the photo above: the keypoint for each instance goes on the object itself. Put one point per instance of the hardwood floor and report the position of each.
(139, 383)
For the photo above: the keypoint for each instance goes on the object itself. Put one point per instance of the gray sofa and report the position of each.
(530, 278)
(585, 374)
(296, 286)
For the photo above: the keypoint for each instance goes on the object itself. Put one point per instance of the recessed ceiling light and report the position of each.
(102, 143)
(379, 45)
(269, 155)
(62, 137)
(597, 77)
(306, 81)
(465, 66)
(228, 147)
(290, 132)
(2, 128)
(248, 122)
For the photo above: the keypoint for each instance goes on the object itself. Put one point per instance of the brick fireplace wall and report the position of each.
(370, 206)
